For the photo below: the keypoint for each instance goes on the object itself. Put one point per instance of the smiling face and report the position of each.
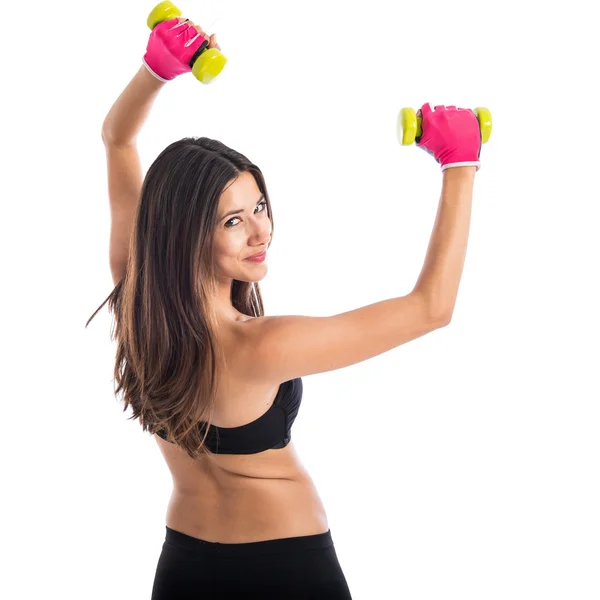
(243, 229)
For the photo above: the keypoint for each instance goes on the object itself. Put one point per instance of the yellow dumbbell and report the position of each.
(409, 125)
(207, 63)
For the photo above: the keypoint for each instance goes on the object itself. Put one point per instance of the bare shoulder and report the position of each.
(278, 348)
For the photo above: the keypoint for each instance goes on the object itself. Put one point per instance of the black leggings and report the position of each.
(296, 568)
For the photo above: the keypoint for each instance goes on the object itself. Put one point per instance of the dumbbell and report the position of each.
(409, 125)
(207, 63)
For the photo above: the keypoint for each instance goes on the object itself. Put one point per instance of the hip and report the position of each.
(294, 568)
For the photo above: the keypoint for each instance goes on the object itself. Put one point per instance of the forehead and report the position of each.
(243, 189)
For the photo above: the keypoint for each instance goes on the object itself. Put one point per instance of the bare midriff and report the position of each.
(234, 499)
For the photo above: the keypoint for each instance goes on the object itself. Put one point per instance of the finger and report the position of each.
(190, 35)
(178, 22)
(425, 109)
(182, 27)
(200, 31)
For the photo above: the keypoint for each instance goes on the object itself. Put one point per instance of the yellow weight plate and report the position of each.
(162, 12)
(208, 65)
(484, 116)
(407, 126)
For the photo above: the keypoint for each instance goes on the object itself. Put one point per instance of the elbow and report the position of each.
(444, 314)
(105, 131)
(445, 321)
(443, 318)
(109, 137)
(105, 136)
(439, 310)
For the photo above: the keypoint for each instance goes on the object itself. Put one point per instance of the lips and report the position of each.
(258, 257)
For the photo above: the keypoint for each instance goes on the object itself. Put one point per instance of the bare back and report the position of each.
(239, 498)
(233, 498)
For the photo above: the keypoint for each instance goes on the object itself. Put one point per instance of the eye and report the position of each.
(263, 203)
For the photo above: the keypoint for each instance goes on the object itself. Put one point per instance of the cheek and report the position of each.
(227, 250)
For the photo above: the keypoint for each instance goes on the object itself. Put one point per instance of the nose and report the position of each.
(262, 234)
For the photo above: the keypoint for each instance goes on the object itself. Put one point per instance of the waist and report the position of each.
(249, 510)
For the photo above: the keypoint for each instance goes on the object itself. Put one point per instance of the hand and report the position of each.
(451, 135)
(172, 45)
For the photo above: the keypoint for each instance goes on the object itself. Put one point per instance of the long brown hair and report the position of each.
(168, 353)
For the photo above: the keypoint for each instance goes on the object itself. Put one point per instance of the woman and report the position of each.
(195, 348)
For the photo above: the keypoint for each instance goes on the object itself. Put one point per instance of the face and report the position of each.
(244, 233)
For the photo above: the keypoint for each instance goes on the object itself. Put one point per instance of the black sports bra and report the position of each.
(272, 430)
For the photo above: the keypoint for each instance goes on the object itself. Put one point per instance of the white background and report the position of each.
(462, 465)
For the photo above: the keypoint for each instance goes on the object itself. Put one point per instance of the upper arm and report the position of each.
(124, 172)
(285, 347)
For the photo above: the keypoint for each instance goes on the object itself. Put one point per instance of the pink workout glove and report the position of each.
(451, 135)
(171, 47)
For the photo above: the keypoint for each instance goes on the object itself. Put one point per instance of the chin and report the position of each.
(257, 279)
(254, 279)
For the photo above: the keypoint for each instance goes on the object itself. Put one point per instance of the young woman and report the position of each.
(216, 381)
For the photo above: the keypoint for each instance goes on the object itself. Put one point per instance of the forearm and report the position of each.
(130, 111)
(442, 271)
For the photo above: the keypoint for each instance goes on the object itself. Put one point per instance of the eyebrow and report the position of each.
(239, 210)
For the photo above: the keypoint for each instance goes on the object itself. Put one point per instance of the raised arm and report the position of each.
(124, 121)
(119, 133)
(279, 348)
(130, 111)
(443, 267)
